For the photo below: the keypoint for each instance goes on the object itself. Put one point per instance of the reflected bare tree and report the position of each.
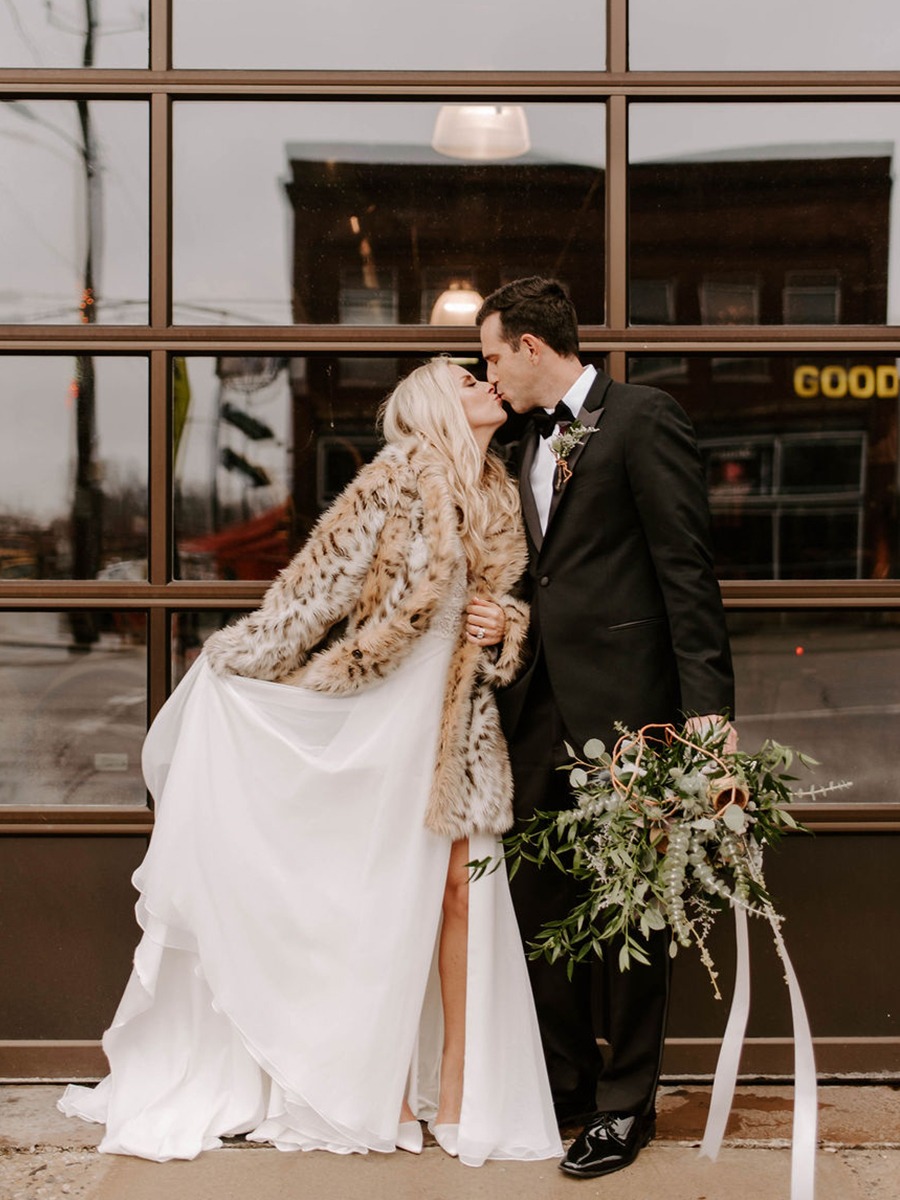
(87, 504)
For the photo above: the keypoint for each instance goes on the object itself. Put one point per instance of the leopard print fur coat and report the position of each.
(349, 607)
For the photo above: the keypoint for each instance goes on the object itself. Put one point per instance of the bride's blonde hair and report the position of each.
(424, 410)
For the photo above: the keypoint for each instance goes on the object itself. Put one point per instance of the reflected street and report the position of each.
(71, 722)
(828, 687)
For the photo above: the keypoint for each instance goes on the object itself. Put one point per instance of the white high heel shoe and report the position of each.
(409, 1137)
(447, 1137)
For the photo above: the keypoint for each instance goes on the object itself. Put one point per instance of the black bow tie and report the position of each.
(545, 423)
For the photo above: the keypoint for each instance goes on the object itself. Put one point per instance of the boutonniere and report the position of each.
(569, 436)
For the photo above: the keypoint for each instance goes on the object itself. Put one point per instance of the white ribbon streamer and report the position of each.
(803, 1148)
(803, 1145)
(730, 1053)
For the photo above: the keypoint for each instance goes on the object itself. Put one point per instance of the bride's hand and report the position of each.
(485, 622)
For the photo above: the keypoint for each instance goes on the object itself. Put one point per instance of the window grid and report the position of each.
(160, 595)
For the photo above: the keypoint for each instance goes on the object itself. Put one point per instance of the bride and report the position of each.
(316, 970)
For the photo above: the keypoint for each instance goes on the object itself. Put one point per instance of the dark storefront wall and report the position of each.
(175, 442)
(68, 933)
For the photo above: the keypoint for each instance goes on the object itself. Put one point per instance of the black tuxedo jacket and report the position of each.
(626, 609)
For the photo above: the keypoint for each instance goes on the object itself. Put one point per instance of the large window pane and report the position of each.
(342, 35)
(827, 684)
(763, 35)
(344, 213)
(74, 211)
(34, 34)
(263, 446)
(764, 213)
(73, 468)
(801, 457)
(72, 707)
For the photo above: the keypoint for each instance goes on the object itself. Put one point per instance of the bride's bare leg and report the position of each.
(452, 959)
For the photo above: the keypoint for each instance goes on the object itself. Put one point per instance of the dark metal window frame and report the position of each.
(160, 340)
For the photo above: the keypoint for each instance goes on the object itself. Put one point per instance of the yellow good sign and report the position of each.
(860, 381)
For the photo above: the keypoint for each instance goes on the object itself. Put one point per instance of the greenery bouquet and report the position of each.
(667, 830)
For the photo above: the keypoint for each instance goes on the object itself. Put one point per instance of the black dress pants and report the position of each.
(627, 1009)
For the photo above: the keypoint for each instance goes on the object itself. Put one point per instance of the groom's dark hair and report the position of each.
(534, 305)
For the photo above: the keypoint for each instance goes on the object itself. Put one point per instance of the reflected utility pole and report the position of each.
(87, 505)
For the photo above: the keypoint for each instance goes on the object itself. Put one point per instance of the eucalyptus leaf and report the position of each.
(735, 818)
(654, 918)
(594, 748)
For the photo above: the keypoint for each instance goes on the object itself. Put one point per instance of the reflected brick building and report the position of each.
(801, 453)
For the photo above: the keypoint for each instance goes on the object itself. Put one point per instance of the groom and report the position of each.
(627, 625)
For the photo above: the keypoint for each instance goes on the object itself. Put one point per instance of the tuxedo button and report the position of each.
(544, 580)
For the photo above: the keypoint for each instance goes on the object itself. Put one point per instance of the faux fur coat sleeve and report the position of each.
(318, 588)
(381, 560)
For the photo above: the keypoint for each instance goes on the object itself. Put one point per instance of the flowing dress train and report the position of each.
(285, 985)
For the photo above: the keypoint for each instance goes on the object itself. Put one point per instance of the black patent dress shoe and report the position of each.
(608, 1142)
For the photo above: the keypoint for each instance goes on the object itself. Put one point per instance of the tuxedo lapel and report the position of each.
(589, 415)
(529, 508)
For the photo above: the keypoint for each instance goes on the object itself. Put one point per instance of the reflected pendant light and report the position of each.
(456, 306)
(481, 131)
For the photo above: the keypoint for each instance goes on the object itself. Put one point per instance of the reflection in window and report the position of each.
(807, 488)
(660, 369)
(827, 684)
(729, 302)
(652, 301)
(266, 445)
(72, 707)
(734, 368)
(448, 297)
(338, 459)
(73, 496)
(330, 213)
(190, 629)
(74, 226)
(505, 35)
(232, 446)
(367, 297)
(822, 463)
(801, 460)
(820, 543)
(763, 35)
(55, 35)
(766, 213)
(812, 298)
(744, 468)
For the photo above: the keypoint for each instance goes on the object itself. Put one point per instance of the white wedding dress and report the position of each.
(286, 985)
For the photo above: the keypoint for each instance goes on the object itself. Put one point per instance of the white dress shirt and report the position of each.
(543, 468)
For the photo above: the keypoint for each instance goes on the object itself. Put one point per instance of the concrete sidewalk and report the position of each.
(44, 1156)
